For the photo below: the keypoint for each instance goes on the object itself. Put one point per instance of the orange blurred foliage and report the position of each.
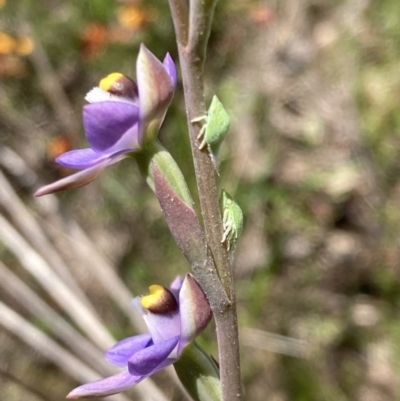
(94, 38)
(133, 17)
(261, 14)
(7, 43)
(22, 45)
(130, 17)
(11, 65)
(58, 145)
(11, 48)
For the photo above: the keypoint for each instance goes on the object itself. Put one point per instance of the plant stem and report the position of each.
(192, 32)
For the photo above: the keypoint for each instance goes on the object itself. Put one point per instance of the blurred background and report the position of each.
(313, 90)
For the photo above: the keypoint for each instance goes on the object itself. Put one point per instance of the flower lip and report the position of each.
(160, 301)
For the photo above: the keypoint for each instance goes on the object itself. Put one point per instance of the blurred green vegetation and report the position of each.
(312, 157)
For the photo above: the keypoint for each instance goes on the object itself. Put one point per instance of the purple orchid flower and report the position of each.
(119, 119)
(174, 318)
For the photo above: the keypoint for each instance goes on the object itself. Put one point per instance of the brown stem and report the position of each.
(192, 56)
(180, 16)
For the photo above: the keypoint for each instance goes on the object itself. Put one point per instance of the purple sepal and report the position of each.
(163, 326)
(80, 158)
(195, 311)
(169, 65)
(106, 122)
(108, 386)
(120, 353)
(175, 286)
(76, 180)
(146, 361)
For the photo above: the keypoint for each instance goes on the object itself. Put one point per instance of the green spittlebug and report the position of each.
(232, 220)
(216, 126)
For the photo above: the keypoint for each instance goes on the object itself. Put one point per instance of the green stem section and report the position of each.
(192, 58)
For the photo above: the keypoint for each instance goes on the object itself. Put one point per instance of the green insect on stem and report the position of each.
(215, 128)
(232, 220)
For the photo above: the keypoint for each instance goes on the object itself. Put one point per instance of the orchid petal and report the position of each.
(169, 65)
(136, 304)
(161, 327)
(175, 287)
(80, 158)
(120, 353)
(76, 180)
(106, 122)
(195, 312)
(148, 359)
(108, 386)
(155, 87)
(129, 142)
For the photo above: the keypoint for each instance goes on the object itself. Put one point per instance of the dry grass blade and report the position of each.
(34, 393)
(60, 292)
(48, 347)
(64, 331)
(51, 86)
(84, 251)
(25, 221)
(81, 245)
(274, 343)
(56, 324)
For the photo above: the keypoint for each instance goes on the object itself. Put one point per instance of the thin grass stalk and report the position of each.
(60, 328)
(51, 86)
(26, 223)
(29, 389)
(82, 247)
(85, 251)
(27, 332)
(59, 291)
